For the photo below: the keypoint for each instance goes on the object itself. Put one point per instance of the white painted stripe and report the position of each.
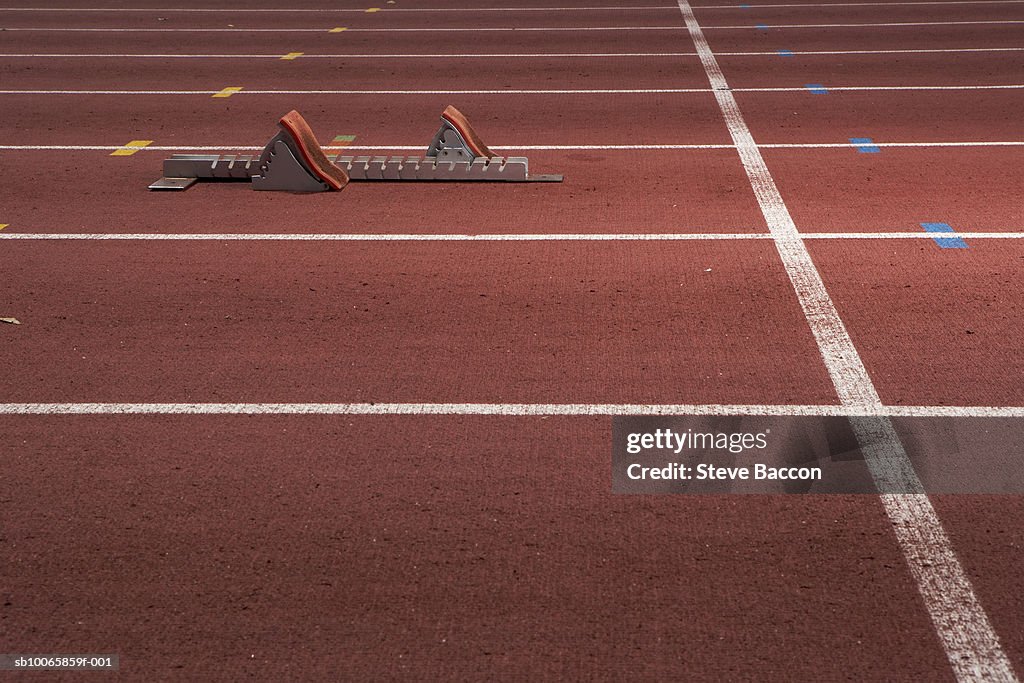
(595, 8)
(609, 91)
(386, 237)
(973, 235)
(626, 8)
(501, 55)
(430, 29)
(951, 50)
(490, 237)
(389, 10)
(463, 55)
(970, 642)
(395, 148)
(110, 55)
(853, 88)
(493, 29)
(832, 145)
(524, 148)
(864, 4)
(878, 24)
(841, 359)
(509, 91)
(501, 409)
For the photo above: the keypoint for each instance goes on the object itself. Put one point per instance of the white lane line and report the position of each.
(463, 55)
(395, 148)
(610, 8)
(863, 4)
(501, 409)
(921, 51)
(511, 29)
(834, 145)
(519, 91)
(608, 91)
(521, 148)
(389, 10)
(975, 235)
(386, 237)
(499, 55)
(971, 644)
(626, 8)
(489, 237)
(877, 24)
(426, 29)
(853, 88)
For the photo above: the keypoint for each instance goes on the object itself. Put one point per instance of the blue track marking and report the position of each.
(761, 27)
(952, 242)
(865, 145)
(817, 89)
(785, 53)
(744, 6)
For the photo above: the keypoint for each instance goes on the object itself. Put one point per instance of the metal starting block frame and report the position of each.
(280, 167)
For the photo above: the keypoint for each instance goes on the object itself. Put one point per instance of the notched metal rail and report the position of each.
(280, 167)
(181, 171)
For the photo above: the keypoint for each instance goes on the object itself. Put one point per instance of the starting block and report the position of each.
(292, 161)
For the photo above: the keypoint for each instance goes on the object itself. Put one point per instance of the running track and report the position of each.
(440, 506)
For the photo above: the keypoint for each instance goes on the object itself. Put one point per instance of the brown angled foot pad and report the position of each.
(461, 123)
(312, 155)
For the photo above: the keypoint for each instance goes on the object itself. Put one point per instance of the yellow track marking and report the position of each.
(228, 92)
(131, 148)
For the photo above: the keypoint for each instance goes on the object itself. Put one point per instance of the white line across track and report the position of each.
(520, 148)
(336, 10)
(626, 8)
(351, 29)
(504, 409)
(495, 55)
(910, 3)
(874, 24)
(494, 29)
(971, 644)
(520, 91)
(485, 237)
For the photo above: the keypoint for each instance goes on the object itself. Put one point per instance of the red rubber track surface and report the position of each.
(973, 189)
(396, 323)
(892, 318)
(532, 73)
(542, 119)
(775, 16)
(663, 191)
(444, 547)
(451, 548)
(477, 73)
(36, 42)
(285, 21)
(865, 38)
(900, 70)
(921, 116)
(986, 531)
